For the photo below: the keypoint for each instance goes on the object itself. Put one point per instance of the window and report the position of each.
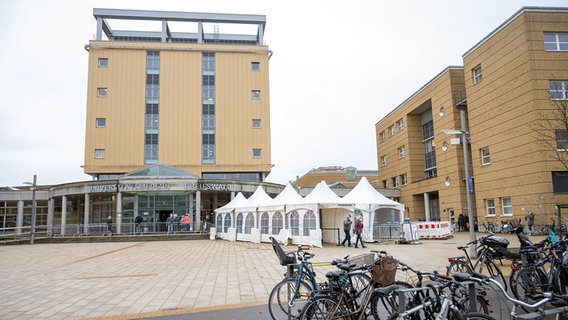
(558, 90)
(102, 92)
(402, 152)
(255, 66)
(394, 182)
(249, 223)
(385, 184)
(384, 160)
(227, 224)
(256, 153)
(485, 156)
(255, 94)
(561, 140)
(240, 222)
(490, 205)
(507, 206)
(556, 41)
(477, 75)
(295, 223)
(256, 123)
(99, 153)
(309, 222)
(403, 179)
(264, 223)
(101, 122)
(382, 136)
(391, 131)
(400, 125)
(103, 62)
(277, 223)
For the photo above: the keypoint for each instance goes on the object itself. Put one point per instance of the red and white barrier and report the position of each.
(434, 230)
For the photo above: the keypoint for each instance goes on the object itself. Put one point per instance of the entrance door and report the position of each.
(163, 216)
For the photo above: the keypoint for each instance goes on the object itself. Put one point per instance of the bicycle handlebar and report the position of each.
(481, 278)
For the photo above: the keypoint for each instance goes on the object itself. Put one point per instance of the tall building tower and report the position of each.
(192, 93)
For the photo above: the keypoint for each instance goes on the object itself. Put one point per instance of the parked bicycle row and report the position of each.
(369, 289)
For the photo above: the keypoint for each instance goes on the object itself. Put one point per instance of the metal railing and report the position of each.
(387, 232)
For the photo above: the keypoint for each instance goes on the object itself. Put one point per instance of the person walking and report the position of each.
(137, 223)
(109, 224)
(529, 218)
(170, 223)
(347, 229)
(359, 231)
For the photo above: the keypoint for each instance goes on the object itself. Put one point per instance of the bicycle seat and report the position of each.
(346, 266)
(334, 275)
(387, 290)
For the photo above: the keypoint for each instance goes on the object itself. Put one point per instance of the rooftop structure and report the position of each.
(199, 24)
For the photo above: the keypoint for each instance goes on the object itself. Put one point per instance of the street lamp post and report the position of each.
(34, 187)
(469, 188)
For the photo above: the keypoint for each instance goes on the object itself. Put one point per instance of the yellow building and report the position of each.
(177, 122)
(508, 90)
(197, 101)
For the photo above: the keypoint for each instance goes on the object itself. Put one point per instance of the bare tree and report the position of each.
(552, 129)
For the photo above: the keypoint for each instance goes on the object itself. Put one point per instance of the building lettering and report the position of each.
(210, 186)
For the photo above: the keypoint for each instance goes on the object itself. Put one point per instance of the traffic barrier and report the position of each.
(434, 230)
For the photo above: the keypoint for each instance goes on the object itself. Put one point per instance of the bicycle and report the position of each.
(442, 305)
(537, 309)
(289, 296)
(534, 278)
(485, 253)
(340, 300)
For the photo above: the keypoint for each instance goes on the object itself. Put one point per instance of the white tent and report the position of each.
(303, 220)
(374, 207)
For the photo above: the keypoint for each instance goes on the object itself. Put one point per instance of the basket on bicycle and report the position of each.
(362, 259)
(384, 271)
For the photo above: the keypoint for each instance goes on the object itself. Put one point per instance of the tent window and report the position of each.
(264, 223)
(240, 223)
(249, 223)
(277, 223)
(309, 222)
(295, 223)
(228, 221)
(219, 222)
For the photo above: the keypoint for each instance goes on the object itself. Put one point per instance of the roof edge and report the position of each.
(448, 68)
(508, 21)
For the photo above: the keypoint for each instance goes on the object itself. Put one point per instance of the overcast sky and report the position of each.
(338, 68)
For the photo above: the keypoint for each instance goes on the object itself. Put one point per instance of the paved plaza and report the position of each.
(128, 280)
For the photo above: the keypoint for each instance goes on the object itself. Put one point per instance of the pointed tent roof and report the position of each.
(238, 201)
(322, 194)
(158, 170)
(365, 193)
(288, 196)
(258, 198)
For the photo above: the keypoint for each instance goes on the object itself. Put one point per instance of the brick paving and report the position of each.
(127, 280)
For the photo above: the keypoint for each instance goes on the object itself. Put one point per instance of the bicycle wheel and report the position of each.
(359, 282)
(386, 305)
(324, 307)
(481, 303)
(457, 266)
(285, 291)
(494, 271)
(526, 284)
(561, 280)
(482, 228)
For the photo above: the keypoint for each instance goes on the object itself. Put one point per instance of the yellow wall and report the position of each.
(504, 111)
(180, 107)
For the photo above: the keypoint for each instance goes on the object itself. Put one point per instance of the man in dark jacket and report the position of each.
(347, 229)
